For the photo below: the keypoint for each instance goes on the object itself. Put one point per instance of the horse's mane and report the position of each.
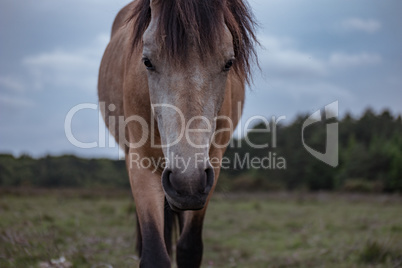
(200, 19)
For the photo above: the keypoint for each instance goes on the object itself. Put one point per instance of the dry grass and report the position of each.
(38, 228)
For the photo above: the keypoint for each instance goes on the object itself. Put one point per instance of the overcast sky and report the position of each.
(314, 52)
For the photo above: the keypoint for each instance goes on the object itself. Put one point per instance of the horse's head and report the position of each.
(189, 47)
(187, 79)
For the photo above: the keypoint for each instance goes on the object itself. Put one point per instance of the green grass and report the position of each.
(262, 230)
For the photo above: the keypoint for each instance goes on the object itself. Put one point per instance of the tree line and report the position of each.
(370, 160)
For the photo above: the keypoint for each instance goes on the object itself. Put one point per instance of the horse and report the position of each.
(174, 73)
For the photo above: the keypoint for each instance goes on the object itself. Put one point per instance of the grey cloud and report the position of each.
(365, 25)
(10, 83)
(347, 60)
(58, 68)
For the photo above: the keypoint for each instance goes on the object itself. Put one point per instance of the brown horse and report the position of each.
(174, 73)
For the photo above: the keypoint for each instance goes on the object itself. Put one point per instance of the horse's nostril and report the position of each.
(210, 176)
(167, 183)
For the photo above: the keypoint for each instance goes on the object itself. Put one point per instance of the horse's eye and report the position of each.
(148, 64)
(228, 65)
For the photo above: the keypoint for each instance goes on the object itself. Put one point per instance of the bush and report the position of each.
(362, 186)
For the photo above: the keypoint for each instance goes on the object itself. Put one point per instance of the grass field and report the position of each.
(68, 228)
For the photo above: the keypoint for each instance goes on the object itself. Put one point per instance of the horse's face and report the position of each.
(186, 98)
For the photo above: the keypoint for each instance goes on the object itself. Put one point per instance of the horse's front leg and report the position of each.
(149, 200)
(190, 247)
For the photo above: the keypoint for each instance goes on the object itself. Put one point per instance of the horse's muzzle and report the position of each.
(187, 190)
